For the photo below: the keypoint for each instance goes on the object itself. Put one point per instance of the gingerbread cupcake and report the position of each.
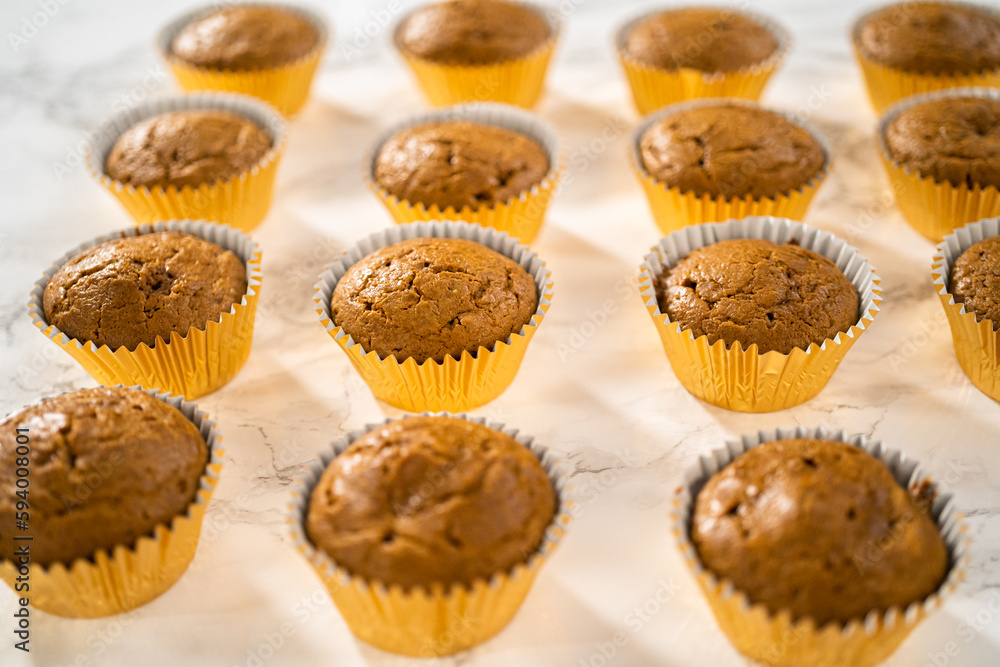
(270, 51)
(435, 315)
(489, 164)
(210, 156)
(756, 314)
(673, 55)
(169, 306)
(965, 272)
(712, 160)
(120, 479)
(430, 568)
(908, 48)
(815, 548)
(941, 152)
(478, 50)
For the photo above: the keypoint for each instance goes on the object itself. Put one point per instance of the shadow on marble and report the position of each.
(593, 144)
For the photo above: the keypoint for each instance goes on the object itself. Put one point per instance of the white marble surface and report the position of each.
(595, 386)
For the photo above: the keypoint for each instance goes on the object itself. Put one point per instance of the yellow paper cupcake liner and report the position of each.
(653, 87)
(436, 621)
(190, 364)
(936, 208)
(285, 87)
(518, 82)
(673, 209)
(977, 343)
(777, 639)
(241, 201)
(130, 575)
(745, 380)
(520, 216)
(455, 384)
(888, 85)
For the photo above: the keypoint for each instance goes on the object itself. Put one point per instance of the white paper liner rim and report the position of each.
(678, 244)
(949, 250)
(494, 239)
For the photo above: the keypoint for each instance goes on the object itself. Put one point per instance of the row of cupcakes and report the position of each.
(754, 314)
(214, 156)
(499, 50)
(448, 162)
(428, 531)
(940, 182)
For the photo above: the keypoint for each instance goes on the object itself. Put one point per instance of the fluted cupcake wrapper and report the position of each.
(977, 343)
(674, 209)
(936, 208)
(654, 87)
(520, 216)
(776, 639)
(454, 384)
(426, 622)
(519, 81)
(887, 85)
(285, 87)
(131, 575)
(191, 363)
(745, 380)
(241, 201)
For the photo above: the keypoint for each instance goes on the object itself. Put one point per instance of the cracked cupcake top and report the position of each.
(932, 38)
(730, 151)
(245, 38)
(107, 466)
(820, 528)
(428, 500)
(132, 290)
(187, 148)
(953, 139)
(429, 298)
(459, 164)
(702, 38)
(777, 296)
(473, 32)
(975, 280)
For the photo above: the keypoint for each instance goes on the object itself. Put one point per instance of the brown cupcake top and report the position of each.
(473, 32)
(975, 280)
(429, 298)
(187, 148)
(134, 290)
(701, 38)
(246, 38)
(428, 500)
(730, 151)
(932, 38)
(953, 139)
(780, 297)
(107, 465)
(819, 528)
(458, 164)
